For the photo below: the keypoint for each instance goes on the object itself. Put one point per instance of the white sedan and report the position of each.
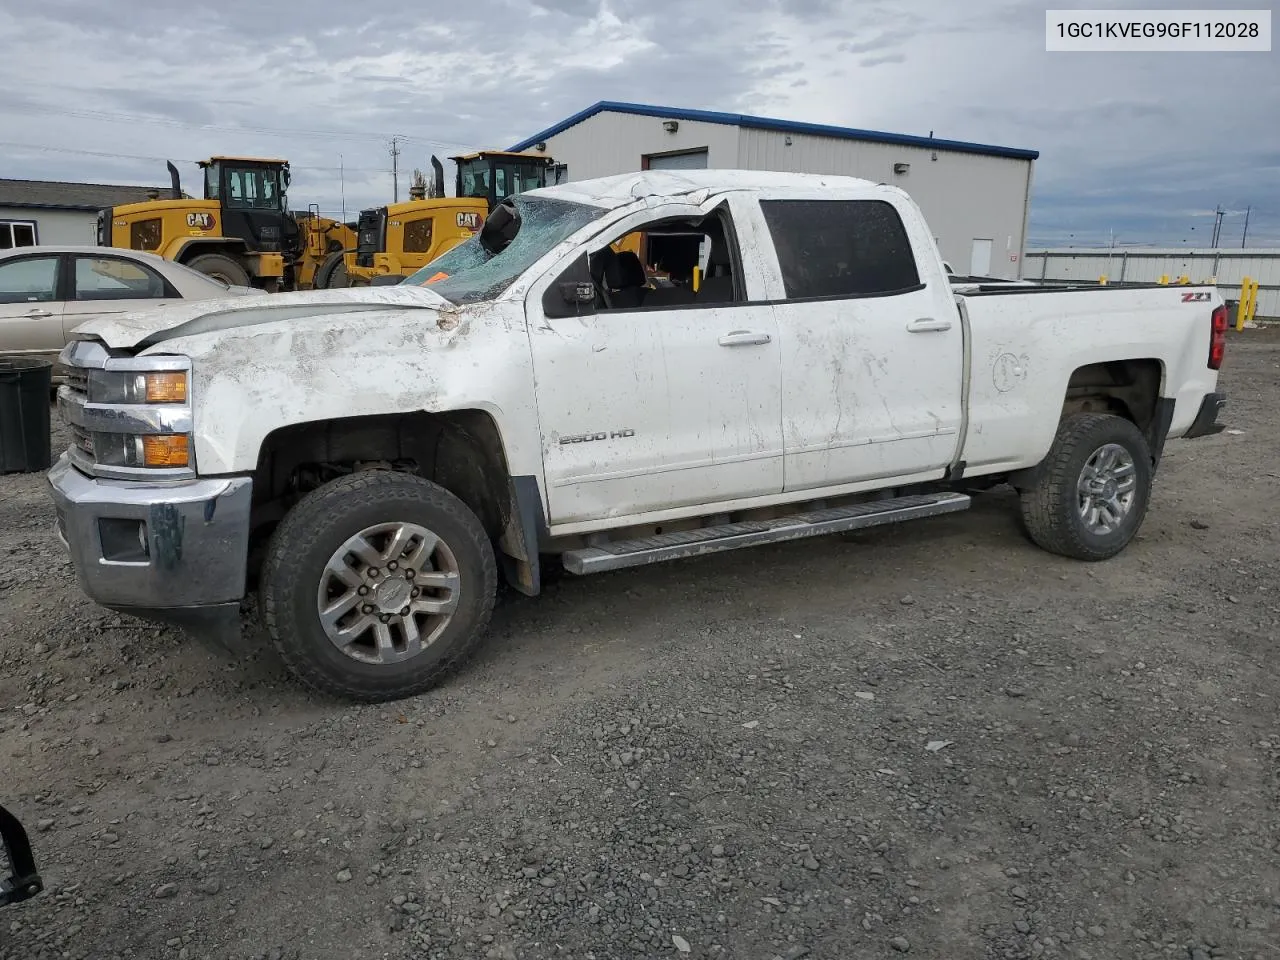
(48, 291)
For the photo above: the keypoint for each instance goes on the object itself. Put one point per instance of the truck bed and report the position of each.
(1025, 348)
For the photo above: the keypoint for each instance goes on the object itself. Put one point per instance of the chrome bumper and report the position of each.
(175, 552)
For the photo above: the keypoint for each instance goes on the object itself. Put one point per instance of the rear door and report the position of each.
(102, 285)
(30, 309)
(872, 345)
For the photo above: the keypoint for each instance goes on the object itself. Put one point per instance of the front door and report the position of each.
(658, 395)
(872, 356)
(30, 308)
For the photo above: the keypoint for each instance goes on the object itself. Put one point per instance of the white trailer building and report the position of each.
(53, 212)
(974, 195)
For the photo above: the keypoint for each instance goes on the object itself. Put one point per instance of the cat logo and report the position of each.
(201, 221)
(469, 220)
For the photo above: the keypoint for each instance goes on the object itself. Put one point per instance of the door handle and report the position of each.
(744, 338)
(39, 313)
(928, 325)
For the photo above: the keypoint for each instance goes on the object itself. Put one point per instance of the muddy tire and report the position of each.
(220, 267)
(1090, 495)
(332, 273)
(376, 585)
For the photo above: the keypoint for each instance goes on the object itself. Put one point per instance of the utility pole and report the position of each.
(1245, 236)
(1218, 214)
(395, 168)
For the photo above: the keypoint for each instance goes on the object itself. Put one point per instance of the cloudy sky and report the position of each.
(1142, 145)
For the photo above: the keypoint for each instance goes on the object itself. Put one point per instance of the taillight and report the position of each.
(1218, 338)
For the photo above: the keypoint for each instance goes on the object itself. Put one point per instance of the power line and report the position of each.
(134, 156)
(86, 153)
(103, 115)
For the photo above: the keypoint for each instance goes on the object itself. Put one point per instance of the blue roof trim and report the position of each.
(767, 123)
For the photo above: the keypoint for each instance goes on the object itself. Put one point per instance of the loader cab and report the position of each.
(252, 194)
(494, 175)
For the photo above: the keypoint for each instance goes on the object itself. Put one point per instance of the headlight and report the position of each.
(118, 386)
(150, 450)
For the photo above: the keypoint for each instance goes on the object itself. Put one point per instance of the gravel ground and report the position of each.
(933, 740)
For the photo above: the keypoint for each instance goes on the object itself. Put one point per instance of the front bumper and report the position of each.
(175, 552)
(1206, 421)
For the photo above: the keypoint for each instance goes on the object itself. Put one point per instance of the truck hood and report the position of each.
(144, 328)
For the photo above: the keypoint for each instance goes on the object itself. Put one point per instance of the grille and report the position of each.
(78, 380)
(82, 440)
(370, 230)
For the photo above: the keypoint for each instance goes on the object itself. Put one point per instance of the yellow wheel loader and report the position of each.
(242, 232)
(322, 239)
(401, 238)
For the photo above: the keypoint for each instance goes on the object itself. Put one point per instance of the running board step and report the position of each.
(749, 533)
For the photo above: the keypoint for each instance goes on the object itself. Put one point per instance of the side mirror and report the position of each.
(573, 294)
(577, 291)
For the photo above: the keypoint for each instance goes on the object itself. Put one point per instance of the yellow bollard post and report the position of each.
(1164, 279)
(1184, 279)
(1242, 308)
(1102, 280)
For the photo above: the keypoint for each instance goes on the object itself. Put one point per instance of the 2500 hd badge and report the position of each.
(589, 437)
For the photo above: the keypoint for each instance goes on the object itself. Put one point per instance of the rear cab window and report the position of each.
(839, 249)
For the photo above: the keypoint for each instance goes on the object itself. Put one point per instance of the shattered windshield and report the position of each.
(512, 240)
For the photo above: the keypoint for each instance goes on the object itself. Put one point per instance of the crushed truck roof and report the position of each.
(624, 188)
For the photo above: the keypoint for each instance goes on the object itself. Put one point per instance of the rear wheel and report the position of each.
(220, 267)
(376, 584)
(1092, 491)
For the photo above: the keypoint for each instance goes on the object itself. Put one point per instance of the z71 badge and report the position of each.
(1201, 296)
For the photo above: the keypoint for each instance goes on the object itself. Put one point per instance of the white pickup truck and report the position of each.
(611, 373)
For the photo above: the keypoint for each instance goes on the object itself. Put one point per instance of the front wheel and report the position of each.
(1092, 490)
(376, 584)
(220, 267)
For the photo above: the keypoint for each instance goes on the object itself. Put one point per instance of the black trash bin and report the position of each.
(24, 415)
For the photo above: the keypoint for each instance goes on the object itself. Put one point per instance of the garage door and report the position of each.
(689, 160)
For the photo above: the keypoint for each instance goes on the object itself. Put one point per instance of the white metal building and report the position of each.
(53, 212)
(975, 196)
(1225, 267)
